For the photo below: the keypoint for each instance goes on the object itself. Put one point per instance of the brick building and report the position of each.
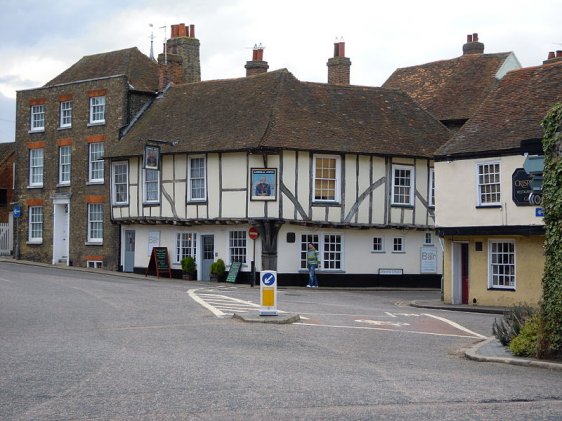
(7, 158)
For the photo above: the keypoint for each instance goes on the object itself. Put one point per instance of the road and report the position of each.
(78, 345)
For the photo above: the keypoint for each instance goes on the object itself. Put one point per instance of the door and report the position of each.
(129, 257)
(60, 240)
(464, 272)
(459, 285)
(207, 256)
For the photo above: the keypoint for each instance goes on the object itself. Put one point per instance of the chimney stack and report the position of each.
(553, 57)
(257, 65)
(180, 63)
(339, 66)
(472, 45)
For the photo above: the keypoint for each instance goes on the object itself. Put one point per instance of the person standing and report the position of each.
(312, 261)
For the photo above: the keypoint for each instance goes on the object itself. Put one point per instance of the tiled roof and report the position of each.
(275, 110)
(141, 71)
(450, 89)
(511, 113)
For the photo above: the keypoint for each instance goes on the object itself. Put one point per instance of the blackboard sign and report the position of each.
(233, 272)
(159, 262)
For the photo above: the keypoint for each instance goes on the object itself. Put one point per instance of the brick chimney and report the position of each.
(553, 57)
(179, 63)
(472, 45)
(257, 65)
(339, 65)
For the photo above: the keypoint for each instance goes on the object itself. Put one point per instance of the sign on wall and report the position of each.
(263, 184)
(428, 259)
(151, 157)
(153, 240)
(521, 187)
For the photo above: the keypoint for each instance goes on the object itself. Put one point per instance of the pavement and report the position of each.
(489, 350)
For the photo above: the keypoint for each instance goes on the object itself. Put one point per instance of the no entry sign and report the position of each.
(253, 233)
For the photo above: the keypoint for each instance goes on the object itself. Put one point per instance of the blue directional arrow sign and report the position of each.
(16, 211)
(268, 279)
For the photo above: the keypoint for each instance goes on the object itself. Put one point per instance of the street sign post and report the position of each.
(268, 293)
(253, 233)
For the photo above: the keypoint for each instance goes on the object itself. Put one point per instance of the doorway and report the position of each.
(460, 281)
(61, 228)
(207, 256)
(129, 255)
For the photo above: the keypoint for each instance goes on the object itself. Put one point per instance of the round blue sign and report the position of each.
(16, 211)
(268, 279)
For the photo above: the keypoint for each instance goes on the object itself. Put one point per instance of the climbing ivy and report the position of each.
(550, 336)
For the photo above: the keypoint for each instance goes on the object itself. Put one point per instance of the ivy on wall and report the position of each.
(550, 337)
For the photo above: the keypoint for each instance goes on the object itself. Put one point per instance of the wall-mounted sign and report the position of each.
(151, 157)
(428, 259)
(521, 187)
(391, 271)
(263, 184)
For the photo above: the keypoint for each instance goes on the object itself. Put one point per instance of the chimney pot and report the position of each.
(181, 30)
(469, 38)
(558, 53)
(192, 31)
(174, 31)
(550, 55)
(475, 37)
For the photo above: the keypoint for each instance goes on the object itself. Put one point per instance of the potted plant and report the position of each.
(188, 268)
(218, 269)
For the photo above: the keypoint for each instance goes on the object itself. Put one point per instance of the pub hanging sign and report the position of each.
(521, 187)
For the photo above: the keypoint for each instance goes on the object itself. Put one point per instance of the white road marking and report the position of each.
(6, 280)
(456, 325)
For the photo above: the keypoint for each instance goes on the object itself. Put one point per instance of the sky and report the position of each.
(40, 39)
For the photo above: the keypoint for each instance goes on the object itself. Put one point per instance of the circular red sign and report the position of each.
(253, 233)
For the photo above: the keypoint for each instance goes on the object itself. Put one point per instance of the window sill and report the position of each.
(96, 123)
(378, 251)
(120, 205)
(398, 205)
(36, 131)
(94, 182)
(398, 252)
(34, 242)
(35, 187)
(63, 185)
(150, 204)
(93, 243)
(488, 206)
(512, 289)
(326, 203)
(64, 128)
(196, 202)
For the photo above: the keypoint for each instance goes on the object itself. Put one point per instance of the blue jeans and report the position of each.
(312, 281)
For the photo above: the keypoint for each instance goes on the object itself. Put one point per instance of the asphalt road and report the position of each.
(78, 345)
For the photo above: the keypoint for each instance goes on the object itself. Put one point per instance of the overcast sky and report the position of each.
(40, 39)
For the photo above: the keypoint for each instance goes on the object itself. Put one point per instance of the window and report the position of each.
(489, 183)
(186, 245)
(501, 260)
(330, 249)
(37, 118)
(94, 264)
(378, 244)
(151, 186)
(402, 185)
(66, 114)
(431, 187)
(120, 183)
(398, 245)
(36, 167)
(197, 184)
(64, 164)
(95, 222)
(96, 162)
(237, 246)
(326, 178)
(428, 238)
(97, 110)
(35, 224)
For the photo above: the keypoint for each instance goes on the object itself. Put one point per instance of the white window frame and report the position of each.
(331, 258)
(147, 183)
(36, 167)
(95, 223)
(431, 187)
(428, 238)
(502, 271)
(323, 179)
(97, 110)
(237, 246)
(37, 118)
(381, 242)
(482, 184)
(402, 194)
(398, 245)
(65, 162)
(65, 114)
(186, 245)
(95, 162)
(201, 178)
(120, 180)
(35, 224)
(94, 264)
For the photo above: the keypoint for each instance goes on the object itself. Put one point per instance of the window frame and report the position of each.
(381, 249)
(37, 116)
(190, 179)
(428, 236)
(95, 226)
(94, 161)
(337, 179)
(184, 250)
(36, 171)
(431, 199)
(412, 185)
(63, 165)
(145, 190)
(97, 110)
(238, 246)
(402, 244)
(35, 226)
(115, 184)
(512, 285)
(321, 243)
(479, 185)
(65, 114)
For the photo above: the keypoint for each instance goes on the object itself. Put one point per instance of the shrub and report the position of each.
(188, 265)
(525, 344)
(218, 268)
(513, 320)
